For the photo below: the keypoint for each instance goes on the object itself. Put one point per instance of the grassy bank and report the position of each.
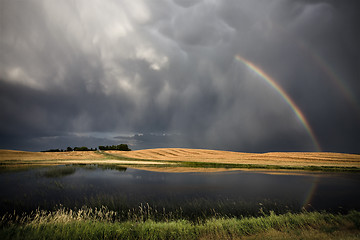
(103, 224)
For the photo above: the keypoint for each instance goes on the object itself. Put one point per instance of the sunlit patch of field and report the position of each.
(11, 158)
(185, 160)
(272, 158)
(22, 155)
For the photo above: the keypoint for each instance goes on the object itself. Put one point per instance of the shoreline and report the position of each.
(188, 160)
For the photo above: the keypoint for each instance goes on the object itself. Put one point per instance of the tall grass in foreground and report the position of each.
(102, 224)
(193, 210)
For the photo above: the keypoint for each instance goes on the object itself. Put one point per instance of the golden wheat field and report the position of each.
(272, 158)
(21, 158)
(22, 155)
(155, 157)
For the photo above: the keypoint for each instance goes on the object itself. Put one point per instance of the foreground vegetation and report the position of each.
(104, 224)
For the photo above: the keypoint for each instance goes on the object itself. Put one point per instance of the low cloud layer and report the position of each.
(165, 75)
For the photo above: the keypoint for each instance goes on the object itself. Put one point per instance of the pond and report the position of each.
(188, 195)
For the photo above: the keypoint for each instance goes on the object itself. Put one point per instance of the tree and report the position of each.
(120, 147)
(123, 147)
(81, 149)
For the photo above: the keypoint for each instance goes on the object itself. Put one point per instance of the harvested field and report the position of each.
(183, 160)
(21, 158)
(22, 155)
(272, 158)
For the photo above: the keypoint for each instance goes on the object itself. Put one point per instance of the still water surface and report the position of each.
(232, 193)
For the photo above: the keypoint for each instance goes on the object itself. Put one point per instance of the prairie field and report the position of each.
(186, 160)
(40, 156)
(271, 158)
(12, 158)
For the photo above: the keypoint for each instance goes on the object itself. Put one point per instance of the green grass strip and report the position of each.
(75, 226)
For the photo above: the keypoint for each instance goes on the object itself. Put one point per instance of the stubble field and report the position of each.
(185, 160)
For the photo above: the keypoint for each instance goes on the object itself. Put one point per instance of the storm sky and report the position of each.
(165, 74)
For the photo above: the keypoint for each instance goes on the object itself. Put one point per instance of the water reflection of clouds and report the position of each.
(177, 188)
(147, 176)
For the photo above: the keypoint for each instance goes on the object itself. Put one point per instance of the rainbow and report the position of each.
(330, 73)
(326, 69)
(310, 193)
(284, 95)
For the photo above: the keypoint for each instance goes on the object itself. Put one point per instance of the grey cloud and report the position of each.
(187, 3)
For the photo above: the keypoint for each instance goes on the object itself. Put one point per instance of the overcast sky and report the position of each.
(164, 73)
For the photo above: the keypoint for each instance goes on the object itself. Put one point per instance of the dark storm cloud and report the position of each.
(88, 71)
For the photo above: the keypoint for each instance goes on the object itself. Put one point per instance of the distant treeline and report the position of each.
(120, 147)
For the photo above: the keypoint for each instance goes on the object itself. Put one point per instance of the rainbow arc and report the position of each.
(284, 95)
